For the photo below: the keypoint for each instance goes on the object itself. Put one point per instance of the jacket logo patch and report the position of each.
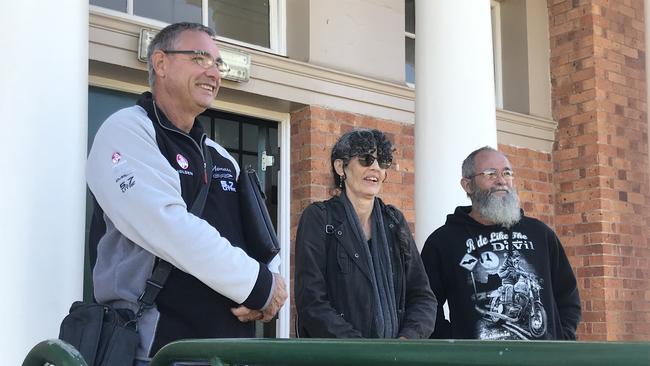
(182, 161)
(222, 173)
(116, 157)
(124, 176)
(228, 186)
(127, 183)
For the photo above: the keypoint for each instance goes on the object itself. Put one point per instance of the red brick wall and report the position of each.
(534, 181)
(601, 160)
(314, 130)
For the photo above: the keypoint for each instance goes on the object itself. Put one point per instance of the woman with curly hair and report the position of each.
(358, 271)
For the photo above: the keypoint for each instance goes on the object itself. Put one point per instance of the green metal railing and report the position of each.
(316, 352)
(55, 352)
(397, 352)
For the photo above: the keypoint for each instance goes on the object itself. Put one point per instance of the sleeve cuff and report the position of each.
(261, 293)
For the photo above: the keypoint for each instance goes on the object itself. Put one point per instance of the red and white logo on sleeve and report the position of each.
(116, 157)
(182, 162)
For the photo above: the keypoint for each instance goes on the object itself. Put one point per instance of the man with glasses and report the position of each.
(147, 166)
(503, 275)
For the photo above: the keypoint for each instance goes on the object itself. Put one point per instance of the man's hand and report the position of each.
(278, 297)
(245, 314)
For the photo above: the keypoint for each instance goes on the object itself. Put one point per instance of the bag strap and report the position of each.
(162, 269)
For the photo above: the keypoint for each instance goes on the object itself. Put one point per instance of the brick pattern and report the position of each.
(314, 130)
(601, 160)
(534, 181)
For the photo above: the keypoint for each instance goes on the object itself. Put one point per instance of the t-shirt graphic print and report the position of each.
(506, 289)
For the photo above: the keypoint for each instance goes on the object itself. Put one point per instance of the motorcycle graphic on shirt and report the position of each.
(507, 293)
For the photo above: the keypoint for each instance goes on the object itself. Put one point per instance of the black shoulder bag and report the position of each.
(261, 242)
(106, 336)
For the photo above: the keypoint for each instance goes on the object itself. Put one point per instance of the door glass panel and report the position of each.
(226, 133)
(206, 123)
(119, 5)
(243, 20)
(169, 11)
(275, 151)
(410, 60)
(250, 137)
(250, 160)
(410, 15)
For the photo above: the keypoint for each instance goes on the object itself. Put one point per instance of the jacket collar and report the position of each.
(343, 233)
(146, 101)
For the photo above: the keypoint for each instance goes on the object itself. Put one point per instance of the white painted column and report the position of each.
(43, 101)
(454, 103)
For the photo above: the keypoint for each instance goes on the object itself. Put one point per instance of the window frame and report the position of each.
(411, 36)
(495, 13)
(277, 24)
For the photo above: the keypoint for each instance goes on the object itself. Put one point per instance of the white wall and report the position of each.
(360, 37)
(43, 99)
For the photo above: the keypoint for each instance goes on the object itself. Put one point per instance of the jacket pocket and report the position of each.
(343, 260)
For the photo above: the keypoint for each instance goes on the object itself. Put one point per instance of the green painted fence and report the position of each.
(411, 352)
(55, 352)
(376, 352)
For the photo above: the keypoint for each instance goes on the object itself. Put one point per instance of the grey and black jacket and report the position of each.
(145, 173)
(333, 288)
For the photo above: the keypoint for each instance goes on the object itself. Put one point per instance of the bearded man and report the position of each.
(463, 257)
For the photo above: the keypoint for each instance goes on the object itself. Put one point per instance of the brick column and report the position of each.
(601, 160)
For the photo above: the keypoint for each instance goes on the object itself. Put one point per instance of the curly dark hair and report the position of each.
(359, 142)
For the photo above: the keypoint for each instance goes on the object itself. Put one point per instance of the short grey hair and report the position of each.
(468, 164)
(166, 39)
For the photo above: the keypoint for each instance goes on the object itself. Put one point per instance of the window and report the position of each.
(409, 38)
(244, 20)
(495, 13)
(258, 24)
(169, 11)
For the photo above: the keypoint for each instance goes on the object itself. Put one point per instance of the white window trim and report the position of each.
(277, 24)
(495, 8)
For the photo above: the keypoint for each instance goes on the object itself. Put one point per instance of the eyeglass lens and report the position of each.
(367, 160)
(203, 59)
(493, 173)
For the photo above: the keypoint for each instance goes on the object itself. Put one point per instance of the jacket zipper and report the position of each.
(203, 137)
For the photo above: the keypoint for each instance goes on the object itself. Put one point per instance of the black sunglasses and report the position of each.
(367, 160)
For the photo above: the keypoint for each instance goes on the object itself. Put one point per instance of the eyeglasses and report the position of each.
(492, 174)
(203, 59)
(366, 160)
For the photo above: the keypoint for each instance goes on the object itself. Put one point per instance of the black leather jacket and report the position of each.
(333, 288)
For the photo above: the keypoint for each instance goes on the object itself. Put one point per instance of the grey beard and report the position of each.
(504, 210)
